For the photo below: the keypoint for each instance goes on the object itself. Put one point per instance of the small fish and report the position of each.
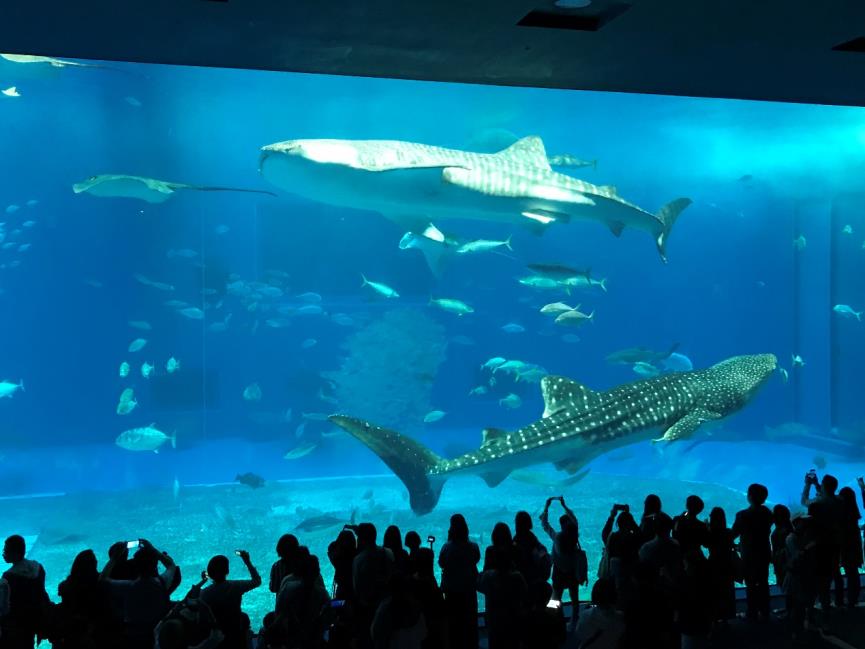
(571, 338)
(453, 306)
(433, 416)
(797, 361)
(124, 370)
(800, 242)
(146, 370)
(493, 363)
(309, 342)
(309, 296)
(192, 312)
(646, 370)
(251, 480)
(221, 229)
(132, 101)
(311, 309)
(847, 229)
(143, 279)
(532, 375)
(172, 365)
(127, 402)
(175, 488)
(484, 245)
(300, 430)
(24, 247)
(300, 451)
(513, 328)
(583, 282)
(270, 291)
(315, 416)
(539, 282)
(342, 319)
(785, 375)
(846, 311)
(573, 318)
(746, 178)
(555, 308)
(277, 323)
(326, 397)
(140, 324)
(32, 202)
(514, 367)
(137, 345)
(11, 91)
(11, 209)
(147, 438)
(511, 401)
(28, 224)
(476, 391)
(252, 392)
(381, 289)
(9, 245)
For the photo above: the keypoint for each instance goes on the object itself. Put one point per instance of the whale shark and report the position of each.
(414, 184)
(150, 190)
(578, 424)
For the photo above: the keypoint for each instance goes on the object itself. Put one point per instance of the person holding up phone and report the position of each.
(224, 596)
(570, 568)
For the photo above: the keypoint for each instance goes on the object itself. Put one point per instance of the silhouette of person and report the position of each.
(286, 548)
(621, 549)
(505, 594)
(429, 595)
(372, 569)
(341, 553)
(412, 542)
(458, 560)
(753, 527)
(783, 527)
(568, 571)
(800, 582)
(224, 597)
(851, 549)
(499, 538)
(827, 512)
(721, 570)
(399, 620)
(393, 541)
(690, 532)
(544, 623)
(651, 510)
(23, 599)
(300, 601)
(601, 626)
(80, 618)
(145, 599)
(533, 561)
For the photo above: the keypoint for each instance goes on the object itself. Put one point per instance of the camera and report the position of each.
(132, 545)
(430, 539)
(811, 477)
(621, 508)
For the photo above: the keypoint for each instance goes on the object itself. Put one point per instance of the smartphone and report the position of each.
(337, 603)
(430, 539)
(238, 553)
(131, 545)
(554, 603)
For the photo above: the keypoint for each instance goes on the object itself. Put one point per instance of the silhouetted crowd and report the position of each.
(662, 581)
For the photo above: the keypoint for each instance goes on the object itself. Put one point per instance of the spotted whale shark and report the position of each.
(414, 184)
(578, 424)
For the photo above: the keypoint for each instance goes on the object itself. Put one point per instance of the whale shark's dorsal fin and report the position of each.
(560, 393)
(529, 150)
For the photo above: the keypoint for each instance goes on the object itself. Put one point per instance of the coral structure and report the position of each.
(389, 369)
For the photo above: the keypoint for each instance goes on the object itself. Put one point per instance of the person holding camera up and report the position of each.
(621, 548)
(224, 596)
(570, 569)
(827, 511)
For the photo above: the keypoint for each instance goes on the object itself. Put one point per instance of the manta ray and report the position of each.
(578, 425)
(32, 59)
(415, 184)
(144, 189)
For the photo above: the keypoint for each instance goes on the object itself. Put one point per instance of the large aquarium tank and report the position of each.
(198, 267)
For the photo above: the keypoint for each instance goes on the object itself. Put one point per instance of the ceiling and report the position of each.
(750, 49)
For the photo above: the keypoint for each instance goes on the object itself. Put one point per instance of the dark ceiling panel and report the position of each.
(769, 50)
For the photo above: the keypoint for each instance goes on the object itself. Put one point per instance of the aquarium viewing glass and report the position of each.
(173, 346)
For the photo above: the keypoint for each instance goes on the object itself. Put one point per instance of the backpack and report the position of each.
(582, 567)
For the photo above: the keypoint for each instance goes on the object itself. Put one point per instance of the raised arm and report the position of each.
(567, 509)
(608, 526)
(545, 520)
(254, 578)
(861, 481)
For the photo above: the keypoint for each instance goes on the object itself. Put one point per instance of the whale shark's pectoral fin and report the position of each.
(561, 394)
(569, 466)
(688, 425)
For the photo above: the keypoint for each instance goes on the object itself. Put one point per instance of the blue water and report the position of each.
(729, 288)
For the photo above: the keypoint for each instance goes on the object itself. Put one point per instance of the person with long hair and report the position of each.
(851, 550)
(458, 560)
(721, 568)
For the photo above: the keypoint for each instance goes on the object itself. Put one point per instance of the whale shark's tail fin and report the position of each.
(667, 215)
(411, 461)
